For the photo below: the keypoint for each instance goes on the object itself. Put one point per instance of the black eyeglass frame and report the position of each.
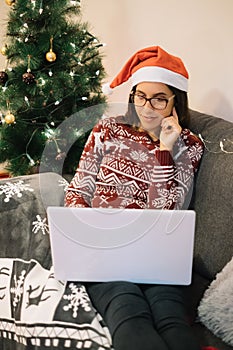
(133, 94)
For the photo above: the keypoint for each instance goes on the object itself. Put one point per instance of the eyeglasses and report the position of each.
(158, 103)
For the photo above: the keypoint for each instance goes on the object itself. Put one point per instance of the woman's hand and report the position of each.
(170, 131)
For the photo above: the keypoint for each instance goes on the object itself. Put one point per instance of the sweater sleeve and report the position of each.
(82, 187)
(173, 175)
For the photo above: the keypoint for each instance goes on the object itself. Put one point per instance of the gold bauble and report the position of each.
(3, 50)
(51, 56)
(9, 118)
(10, 2)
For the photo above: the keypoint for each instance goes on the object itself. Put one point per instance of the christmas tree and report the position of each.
(53, 70)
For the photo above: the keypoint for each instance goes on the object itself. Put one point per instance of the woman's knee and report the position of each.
(109, 290)
(158, 293)
(116, 295)
(118, 302)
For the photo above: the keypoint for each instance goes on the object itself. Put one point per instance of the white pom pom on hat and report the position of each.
(106, 89)
(152, 64)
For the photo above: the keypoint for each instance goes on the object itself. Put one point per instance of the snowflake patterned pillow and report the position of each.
(23, 215)
(38, 310)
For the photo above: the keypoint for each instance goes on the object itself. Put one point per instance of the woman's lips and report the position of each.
(147, 117)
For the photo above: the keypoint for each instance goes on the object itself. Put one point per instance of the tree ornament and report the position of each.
(50, 55)
(3, 50)
(28, 78)
(9, 118)
(10, 2)
(3, 77)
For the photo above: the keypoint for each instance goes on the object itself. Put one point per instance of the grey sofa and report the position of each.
(39, 312)
(214, 207)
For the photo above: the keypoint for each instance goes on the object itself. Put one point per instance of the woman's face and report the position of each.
(150, 118)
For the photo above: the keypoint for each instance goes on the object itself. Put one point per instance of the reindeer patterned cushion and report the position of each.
(36, 310)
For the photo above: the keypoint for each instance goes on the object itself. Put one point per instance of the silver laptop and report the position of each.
(142, 246)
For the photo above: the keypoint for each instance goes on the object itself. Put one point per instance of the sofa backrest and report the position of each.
(213, 195)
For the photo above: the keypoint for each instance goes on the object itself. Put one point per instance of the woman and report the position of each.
(145, 159)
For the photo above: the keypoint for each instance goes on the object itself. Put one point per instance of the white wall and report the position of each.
(199, 31)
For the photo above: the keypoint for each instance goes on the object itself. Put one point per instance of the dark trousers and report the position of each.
(143, 317)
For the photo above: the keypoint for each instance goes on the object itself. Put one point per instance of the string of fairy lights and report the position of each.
(221, 146)
(33, 2)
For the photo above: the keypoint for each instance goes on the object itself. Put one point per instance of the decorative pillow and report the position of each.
(216, 307)
(36, 310)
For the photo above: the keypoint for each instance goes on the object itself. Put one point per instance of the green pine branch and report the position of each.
(54, 90)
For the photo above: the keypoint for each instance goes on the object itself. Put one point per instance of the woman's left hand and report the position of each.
(170, 131)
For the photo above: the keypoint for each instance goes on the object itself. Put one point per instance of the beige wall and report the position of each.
(199, 31)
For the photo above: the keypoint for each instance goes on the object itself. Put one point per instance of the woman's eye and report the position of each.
(158, 99)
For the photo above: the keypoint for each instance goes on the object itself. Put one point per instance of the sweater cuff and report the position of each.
(164, 157)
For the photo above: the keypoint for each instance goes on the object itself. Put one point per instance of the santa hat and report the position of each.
(151, 64)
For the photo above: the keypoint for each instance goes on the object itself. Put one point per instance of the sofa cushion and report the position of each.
(216, 307)
(193, 294)
(36, 310)
(23, 214)
(213, 195)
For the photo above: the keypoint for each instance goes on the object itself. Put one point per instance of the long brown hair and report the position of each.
(181, 105)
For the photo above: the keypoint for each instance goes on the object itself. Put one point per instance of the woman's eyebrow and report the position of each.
(163, 94)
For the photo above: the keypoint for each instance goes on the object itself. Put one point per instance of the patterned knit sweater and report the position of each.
(121, 167)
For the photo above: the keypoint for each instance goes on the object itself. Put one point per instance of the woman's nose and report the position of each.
(148, 104)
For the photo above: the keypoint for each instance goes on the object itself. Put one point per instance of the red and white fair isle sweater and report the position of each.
(121, 167)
